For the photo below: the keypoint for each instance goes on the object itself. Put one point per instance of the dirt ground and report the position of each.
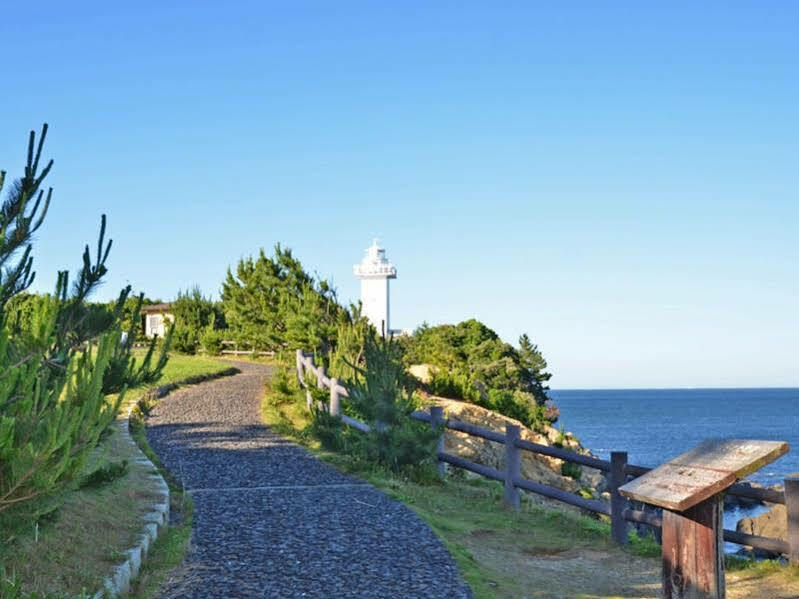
(607, 573)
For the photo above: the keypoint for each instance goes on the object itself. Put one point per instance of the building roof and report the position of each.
(156, 308)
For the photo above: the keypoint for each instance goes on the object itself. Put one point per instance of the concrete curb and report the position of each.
(118, 584)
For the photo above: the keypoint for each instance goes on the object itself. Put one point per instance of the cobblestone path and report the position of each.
(271, 520)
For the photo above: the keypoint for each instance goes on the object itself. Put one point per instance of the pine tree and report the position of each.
(272, 303)
(52, 410)
(534, 365)
(353, 329)
(123, 369)
(194, 314)
(382, 395)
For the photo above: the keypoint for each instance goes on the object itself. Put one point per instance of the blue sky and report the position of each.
(618, 180)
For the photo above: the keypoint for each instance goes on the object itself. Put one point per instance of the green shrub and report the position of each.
(194, 314)
(454, 385)
(406, 443)
(351, 333)
(472, 350)
(212, 341)
(560, 439)
(383, 397)
(326, 429)
(515, 404)
(472, 363)
(185, 339)
(52, 410)
(571, 470)
(281, 383)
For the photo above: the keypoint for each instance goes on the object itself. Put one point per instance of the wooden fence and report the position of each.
(242, 352)
(618, 471)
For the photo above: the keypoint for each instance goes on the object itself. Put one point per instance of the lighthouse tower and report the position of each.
(374, 271)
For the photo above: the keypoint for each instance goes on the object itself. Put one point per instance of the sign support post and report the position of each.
(690, 489)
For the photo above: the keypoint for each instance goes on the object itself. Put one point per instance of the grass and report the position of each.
(89, 534)
(165, 555)
(493, 547)
(181, 367)
(540, 551)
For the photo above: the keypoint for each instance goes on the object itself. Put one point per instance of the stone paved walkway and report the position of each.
(271, 520)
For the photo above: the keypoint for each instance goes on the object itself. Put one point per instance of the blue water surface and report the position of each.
(654, 425)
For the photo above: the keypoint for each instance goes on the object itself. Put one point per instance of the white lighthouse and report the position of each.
(374, 271)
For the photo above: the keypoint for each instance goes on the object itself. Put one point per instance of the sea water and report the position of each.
(655, 425)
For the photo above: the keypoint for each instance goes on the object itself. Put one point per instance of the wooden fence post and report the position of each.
(299, 356)
(792, 514)
(334, 407)
(308, 396)
(436, 420)
(513, 466)
(693, 551)
(320, 375)
(618, 525)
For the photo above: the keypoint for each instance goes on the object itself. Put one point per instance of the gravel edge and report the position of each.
(118, 583)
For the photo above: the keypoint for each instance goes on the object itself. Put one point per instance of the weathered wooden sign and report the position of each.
(705, 470)
(689, 488)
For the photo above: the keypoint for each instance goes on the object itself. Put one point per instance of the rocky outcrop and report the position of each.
(773, 524)
(536, 467)
(422, 372)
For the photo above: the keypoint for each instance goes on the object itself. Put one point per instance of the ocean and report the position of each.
(655, 425)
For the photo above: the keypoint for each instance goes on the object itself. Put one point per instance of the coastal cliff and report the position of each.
(535, 467)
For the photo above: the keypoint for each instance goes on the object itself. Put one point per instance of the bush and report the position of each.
(326, 429)
(185, 339)
(194, 314)
(571, 470)
(406, 443)
(212, 341)
(473, 364)
(454, 385)
(515, 404)
(383, 397)
(281, 383)
(351, 333)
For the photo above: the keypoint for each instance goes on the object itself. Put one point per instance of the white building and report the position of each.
(375, 271)
(156, 318)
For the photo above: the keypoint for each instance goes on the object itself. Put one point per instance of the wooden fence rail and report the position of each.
(619, 471)
(243, 352)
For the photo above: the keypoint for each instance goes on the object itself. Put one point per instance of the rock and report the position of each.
(422, 372)
(535, 467)
(773, 523)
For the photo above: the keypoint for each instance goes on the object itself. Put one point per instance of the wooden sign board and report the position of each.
(702, 472)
